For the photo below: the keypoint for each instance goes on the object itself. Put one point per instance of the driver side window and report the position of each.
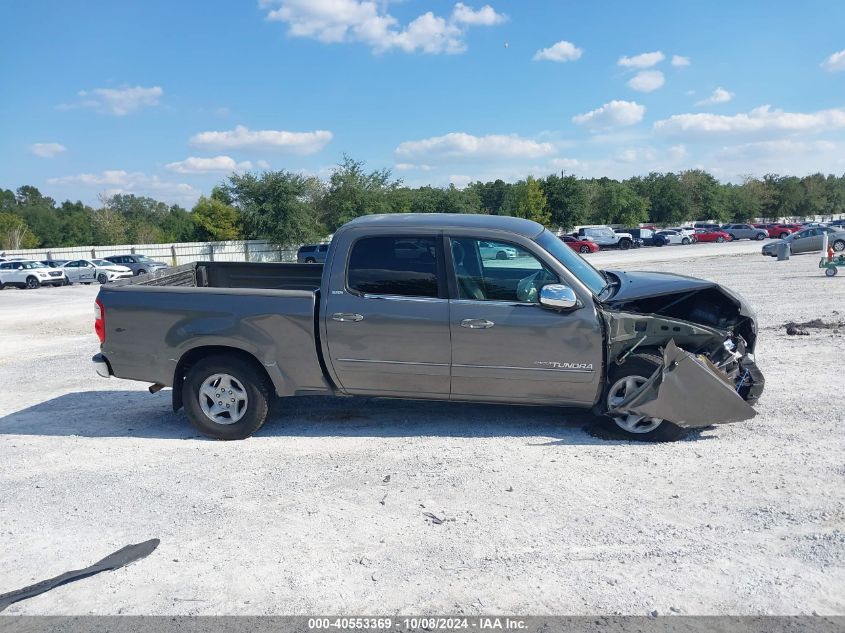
(487, 270)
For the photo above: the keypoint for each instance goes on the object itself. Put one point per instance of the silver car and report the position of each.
(745, 232)
(809, 240)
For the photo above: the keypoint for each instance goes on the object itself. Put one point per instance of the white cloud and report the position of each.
(612, 114)
(563, 51)
(644, 60)
(366, 21)
(835, 63)
(115, 181)
(459, 180)
(564, 163)
(647, 81)
(679, 61)
(462, 145)
(485, 16)
(762, 119)
(116, 101)
(243, 138)
(47, 150)
(198, 165)
(720, 95)
(412, 167)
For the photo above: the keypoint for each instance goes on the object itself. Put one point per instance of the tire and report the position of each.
(501, 255)
(720, 239)
(310, 260)
(2, 285)
(783, 235)
(731, 237)
(625, 244)
(839, 246)
(584, 249)
(760, 236)
(141, 272)
(65, 281)
(830, 272)
(247, 389)
(103, 279)
(639, 367)
(685, 241)
(32, 283)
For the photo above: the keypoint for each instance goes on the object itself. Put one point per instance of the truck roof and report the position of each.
(519, 226)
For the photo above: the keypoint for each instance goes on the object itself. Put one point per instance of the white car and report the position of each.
(30, 274)
(86, 271)
(674, 237)
(685, 231)
(494, 250)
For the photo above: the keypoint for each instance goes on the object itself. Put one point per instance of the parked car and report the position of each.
(710, 235)
(781, 231)
(312, 253)
(138, 264)
(86, 271)
(836, 223)
(809, 240)
(493, 250)
(54, 263)
(706, 225)
(643, 235)
(606, 237)
(546, 330)
(688, 232)
(582, 246)
(814, 224)
(745, 232)
(673, 236)
(29, 274)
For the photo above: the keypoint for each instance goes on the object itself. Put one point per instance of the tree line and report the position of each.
(290, 208)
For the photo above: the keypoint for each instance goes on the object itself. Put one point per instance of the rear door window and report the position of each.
(402, 266)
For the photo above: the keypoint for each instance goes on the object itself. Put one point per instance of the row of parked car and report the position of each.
(594, 238)
(27, 273)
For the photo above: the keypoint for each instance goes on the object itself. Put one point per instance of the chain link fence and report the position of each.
(173, 254)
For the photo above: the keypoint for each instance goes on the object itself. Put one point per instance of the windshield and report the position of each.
(143, 258)
(102, 262)
(573, 262)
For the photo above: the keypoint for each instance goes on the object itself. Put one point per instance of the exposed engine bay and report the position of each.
(708, 329)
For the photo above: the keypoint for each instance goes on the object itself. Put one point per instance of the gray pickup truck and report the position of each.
(407, 306)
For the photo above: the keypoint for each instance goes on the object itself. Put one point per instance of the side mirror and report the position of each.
(558, 297)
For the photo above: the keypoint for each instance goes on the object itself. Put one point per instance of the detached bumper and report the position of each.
(101, 366)
(690, 392)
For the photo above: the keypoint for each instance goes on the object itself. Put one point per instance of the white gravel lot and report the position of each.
(540, 517)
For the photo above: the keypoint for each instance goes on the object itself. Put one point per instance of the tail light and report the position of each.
(100, 321)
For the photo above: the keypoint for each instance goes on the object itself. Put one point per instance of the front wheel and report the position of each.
(32, 283)
(226, 398)
(760, 236)
(624, 244)
(102, 278)
(720, 239)
(584, 249)
(783, 235)
(685, 241)
(310, 260)
(830, 272)
(624, 380)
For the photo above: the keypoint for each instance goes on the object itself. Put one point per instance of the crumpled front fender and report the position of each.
(687, 390)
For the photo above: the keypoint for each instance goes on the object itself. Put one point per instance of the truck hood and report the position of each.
(676, 296)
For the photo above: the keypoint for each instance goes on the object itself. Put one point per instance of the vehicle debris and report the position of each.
(116, 560)
(434, 518)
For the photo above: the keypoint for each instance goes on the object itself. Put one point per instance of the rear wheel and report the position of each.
(501, 255)
(624, 380)
(32, 282)
(226, 398)
(830, 272)
(310, 260)
(783, 235)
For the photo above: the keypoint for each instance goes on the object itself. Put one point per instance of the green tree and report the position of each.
(274, 206)
(526, 200)
(567, 199)
(352, 192)
(703, 195)
(14, 233)
(215, 220)
(617, 203)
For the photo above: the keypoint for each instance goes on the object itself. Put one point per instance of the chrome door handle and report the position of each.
(477, 324)
(345, 317)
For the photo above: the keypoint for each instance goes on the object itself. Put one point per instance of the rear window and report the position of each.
(308, 249)
(404, 266)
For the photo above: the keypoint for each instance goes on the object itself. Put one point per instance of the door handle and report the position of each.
(477, 324)
(346, 317)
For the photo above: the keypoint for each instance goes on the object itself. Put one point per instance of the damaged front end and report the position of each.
(706, 336)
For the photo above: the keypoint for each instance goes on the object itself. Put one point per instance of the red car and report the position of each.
(783, 230)
(708, 235)
(582, 246)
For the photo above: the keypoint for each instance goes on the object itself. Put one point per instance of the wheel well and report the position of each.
(193, 356)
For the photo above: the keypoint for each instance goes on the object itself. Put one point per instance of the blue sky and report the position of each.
(166, 98)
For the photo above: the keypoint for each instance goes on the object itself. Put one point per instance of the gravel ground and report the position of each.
(539, 517)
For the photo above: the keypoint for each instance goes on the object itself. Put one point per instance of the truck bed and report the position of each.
(267, 276)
